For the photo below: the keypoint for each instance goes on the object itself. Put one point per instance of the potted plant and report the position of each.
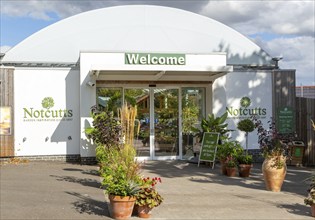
(244, 164)
(310, 199)
(246, 125)
(231, 166)
(274, 147)
(148, 197)
(228, 148)
(213, 124)
(118, 167)
(120, 180)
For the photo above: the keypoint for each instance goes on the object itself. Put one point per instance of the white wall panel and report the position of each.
(46, 131)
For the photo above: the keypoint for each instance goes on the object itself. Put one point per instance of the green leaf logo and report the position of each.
(48, 102)
(245, 102)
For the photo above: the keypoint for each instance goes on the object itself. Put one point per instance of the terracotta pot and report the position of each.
(223, 167)
(144, 211)
(313, 210)
(244, 170)
(231, 171)
(273, 176)
(120, 207)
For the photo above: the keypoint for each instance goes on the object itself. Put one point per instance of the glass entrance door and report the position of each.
(140, 98)
(159, 132)
(156, 121)
(166, 122)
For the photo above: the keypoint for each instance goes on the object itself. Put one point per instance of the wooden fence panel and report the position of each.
(305, 111)
(7, 103)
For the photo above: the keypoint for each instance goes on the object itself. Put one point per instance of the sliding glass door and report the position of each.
(159, 131)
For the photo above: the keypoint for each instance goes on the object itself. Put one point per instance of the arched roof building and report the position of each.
(176, 66)
(136, 28)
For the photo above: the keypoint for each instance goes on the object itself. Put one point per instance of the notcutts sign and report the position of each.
(47, 112)
(246, 111)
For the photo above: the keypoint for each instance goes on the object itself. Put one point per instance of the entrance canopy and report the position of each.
(155, 66)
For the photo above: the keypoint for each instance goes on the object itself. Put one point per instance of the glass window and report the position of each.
(109, 99)
(193, 111)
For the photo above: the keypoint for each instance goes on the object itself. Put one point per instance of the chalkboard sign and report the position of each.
(208, 148)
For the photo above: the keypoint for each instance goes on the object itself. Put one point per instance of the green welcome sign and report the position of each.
(209, 147)
(155, 59)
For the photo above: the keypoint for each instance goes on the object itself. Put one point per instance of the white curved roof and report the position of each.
(139, 28)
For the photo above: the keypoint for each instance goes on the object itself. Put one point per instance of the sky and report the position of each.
(280, 27)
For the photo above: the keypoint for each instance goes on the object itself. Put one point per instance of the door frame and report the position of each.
(130, 85)
(152, 129)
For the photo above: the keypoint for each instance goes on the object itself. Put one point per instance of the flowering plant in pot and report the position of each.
(148, 197)
(274, 148)
(228, 148)
(118, 168)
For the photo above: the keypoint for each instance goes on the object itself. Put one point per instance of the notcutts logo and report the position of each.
(47, 113)
(244, 111)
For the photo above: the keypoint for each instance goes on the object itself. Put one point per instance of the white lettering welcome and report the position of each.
(154, 59)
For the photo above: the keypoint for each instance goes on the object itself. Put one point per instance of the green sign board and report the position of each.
(155, 59)
(285, 120)
(209, 147)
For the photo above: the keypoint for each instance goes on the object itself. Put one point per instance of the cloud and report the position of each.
(47, 9)
(297, 52)
(279, 17)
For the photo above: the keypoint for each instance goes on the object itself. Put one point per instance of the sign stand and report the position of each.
(208, 148)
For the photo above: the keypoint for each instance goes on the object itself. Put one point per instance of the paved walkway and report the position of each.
(57, 190)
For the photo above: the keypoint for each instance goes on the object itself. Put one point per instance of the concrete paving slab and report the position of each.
(58, 190)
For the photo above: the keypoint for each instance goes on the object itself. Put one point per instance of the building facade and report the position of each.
(174, 65)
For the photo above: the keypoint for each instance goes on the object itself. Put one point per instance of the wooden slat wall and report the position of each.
(7, 99)
(283, 90)
(305, 111)
(284, 95)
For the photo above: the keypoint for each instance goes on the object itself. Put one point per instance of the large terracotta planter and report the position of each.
(274, 176)
(144, 211)
(120, 207)
(313, 210)
(231, 171)
(244, 170)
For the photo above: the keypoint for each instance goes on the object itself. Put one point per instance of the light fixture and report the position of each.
(276, 60)
(91, 84)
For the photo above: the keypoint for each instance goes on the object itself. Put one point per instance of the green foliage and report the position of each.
(310, 199)
(148, 194)
(245, 159)
(229, 148)
(149, 197)
(213, 124)
(106, 130)
(231, 162)
(120, 171)
(118, 167)
(272, 143)
(246, 125)
(190, 117)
